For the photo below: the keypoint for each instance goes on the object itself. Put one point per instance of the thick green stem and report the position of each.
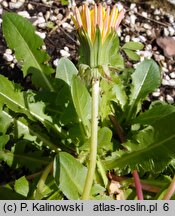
(93, 144)
(41, 182)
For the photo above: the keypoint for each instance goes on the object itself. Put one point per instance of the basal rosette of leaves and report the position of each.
(97, 33)
(45, 132)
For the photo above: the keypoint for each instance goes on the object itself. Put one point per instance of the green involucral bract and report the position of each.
(98, 53)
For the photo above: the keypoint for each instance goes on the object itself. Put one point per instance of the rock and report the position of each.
(8, 57)
(172, 83)
(60, 16)
(127, 38)
(144, 14)
(41, 34)
(157, 12)
(5, 4)
(66, 48)
(166, 32)
(132, 6)
(24, 14)
(171, 30)
(8, 51)
(47, 15)
(147, 26)
(132, 19)
(165, 82)
(53, 18)
(136, 39)
(149, 32)
(142, 38)
(64, 53)
(30, 7)
(169, 99)
(172, 75)
(156, 94)
(55, 62)
(67, 26)
(16, 5)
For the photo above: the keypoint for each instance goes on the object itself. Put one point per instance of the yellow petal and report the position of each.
(112, 17)
(106, 22)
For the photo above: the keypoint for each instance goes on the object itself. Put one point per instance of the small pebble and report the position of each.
(5, 4)
(172, 75)
(132, 6)
(132, 19)
(157, 12)
(66, 48)
(8, 51)
(16, 5)
(157, 18)
(144, 14)
(166, 77)
(60, 16)
(172, 83)
(8, 57)
(53, 18)
(30, 6)
(142, 38)
(169, 99)
(43, 47)
(47, 15)
(171, 30)
(136, 39)
(41, 34)
(147, 26)
(64, 53)
(165, 82)
(156, 94)
(166, 32)
(171, 18)
(67, 26)
(55, 62)
(24, 14)
(149, 32)
(127, 38)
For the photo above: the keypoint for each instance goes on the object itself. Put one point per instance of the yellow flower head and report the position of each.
(97, 33)
(103, 18)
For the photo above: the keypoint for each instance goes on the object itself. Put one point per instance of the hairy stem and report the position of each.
(42, 181)
(138, 185)
(170, 190)
(93, 144)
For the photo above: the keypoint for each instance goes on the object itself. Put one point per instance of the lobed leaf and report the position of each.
(20, 36)
(152, 149)
(22, 102)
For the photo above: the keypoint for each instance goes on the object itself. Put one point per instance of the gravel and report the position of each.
(143, 23)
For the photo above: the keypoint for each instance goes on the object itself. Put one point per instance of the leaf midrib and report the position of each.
(137, 153)
(33, 57)
(22, 107)
(141, 84)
